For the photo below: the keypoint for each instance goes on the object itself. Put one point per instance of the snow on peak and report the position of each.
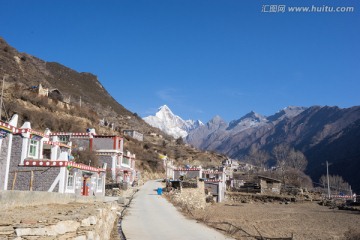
(165, 113)
(170, 123)
(287, 112)
(252, 119)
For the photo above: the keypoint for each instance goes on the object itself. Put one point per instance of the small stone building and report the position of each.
(43, 91)
(216, 188)
(134, 134)
(187, 173)
(269, 185)
(215, 183)
(168, 165)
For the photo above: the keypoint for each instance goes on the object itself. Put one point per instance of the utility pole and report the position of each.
(80, 101)
(327, 175)
(2, 94)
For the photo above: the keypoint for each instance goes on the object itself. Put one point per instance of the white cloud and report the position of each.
(170, 96)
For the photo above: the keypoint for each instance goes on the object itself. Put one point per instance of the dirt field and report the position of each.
(306, 220)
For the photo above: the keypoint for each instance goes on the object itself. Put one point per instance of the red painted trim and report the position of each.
(215, 181)
(8, 127)
(48, 163)
(56, 144)
(68, 134)
(91, 144)
(339, 196)
(187, 169)
(115, 140)
(104, 136)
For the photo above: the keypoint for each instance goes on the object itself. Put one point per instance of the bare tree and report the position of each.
(336, 182)
(298, 178)
(297, 160)
(290, 163)
(281, 153)
(86, 157)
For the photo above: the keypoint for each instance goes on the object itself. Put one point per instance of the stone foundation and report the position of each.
(190, 198)
(81, 222)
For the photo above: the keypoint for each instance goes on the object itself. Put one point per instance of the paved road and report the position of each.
(152, 217)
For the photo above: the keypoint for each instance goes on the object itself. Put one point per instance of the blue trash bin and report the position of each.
(159, 191)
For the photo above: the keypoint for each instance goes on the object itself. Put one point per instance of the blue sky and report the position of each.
(200, 57)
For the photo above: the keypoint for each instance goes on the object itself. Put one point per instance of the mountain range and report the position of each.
(322, 133)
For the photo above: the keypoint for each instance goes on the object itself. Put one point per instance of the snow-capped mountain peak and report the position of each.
(164, 112)
(170, 123)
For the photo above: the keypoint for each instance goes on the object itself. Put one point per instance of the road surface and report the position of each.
(152, 217)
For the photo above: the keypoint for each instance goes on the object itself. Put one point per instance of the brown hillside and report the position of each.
(25, 71)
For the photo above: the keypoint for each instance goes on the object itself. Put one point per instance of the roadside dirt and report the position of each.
(306, 220)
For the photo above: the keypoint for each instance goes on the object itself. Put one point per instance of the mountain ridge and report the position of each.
(311, 130)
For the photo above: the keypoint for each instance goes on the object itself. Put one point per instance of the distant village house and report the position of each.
(134, 134)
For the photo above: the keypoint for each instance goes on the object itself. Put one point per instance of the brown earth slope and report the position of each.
(24, 71)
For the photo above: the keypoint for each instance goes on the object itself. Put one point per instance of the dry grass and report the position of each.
(305, 221)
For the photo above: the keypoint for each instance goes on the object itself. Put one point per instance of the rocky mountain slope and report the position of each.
(231, 137)
(322, 133)
(172, 124)
(24, 71)
(29, 71)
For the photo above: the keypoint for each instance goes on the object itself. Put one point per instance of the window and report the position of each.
(125, 161)
(70, 181)
(33, 148)
(99, 184)
(46, 152)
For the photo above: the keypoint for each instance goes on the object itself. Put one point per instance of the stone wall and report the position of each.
(16, 150)
(270, 187)
(11, 199)
(108, 160)
(43, 177)
(80, 222)
(249, 198)
(4, 144)
(190, 198)
(187, 174)
(103, 143)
